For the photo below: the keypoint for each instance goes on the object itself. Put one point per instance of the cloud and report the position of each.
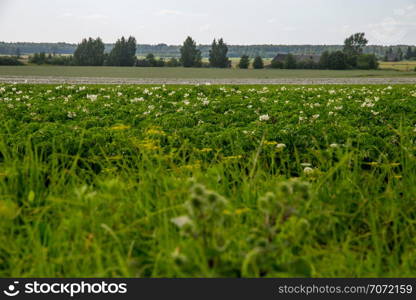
(271, 21)
(66, 15)
(399, 12)
(205, 27)
(289, 28)
(95, 17)
(172, 12)
(169, 12)
(89, 17)
(394, 29)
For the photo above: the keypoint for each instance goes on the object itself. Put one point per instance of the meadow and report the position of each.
(406, 65)
(207, 181)
(192, 73)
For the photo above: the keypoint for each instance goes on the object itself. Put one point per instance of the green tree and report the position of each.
(290, 62)
(190, 55)
(367, 62)
(218, 55)
(353, 47)
(337, 60)
(173, 62)
(89, 53)
(399, 55)
(244, 62)
(324, 60)
(123, 53)
(18, 52)
(151, 60)
(276, 63)
(409, 53)
(258, 62)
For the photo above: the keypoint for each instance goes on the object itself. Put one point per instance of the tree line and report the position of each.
(393, 54)
(352, 56)
(167, 51)
(92, 52)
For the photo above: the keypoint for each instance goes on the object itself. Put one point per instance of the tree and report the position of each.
(324, 60)
(190, 55)
(290, 62)
(367, 62)
(399, 55)
(337, 60)
(389, 54)
(173, 62)
(150, 58)
(244, 62)
(353, 47)
(89, 53)
(10, 61)
(258, 63)
(276, 63)
(123, 53)
(218, 55)
(409, 53)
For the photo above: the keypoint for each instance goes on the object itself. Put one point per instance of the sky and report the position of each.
(385, 22)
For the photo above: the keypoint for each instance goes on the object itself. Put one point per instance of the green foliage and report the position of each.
(324, 61)
(190, 55)
(167, 51)
(306, 64)
(10, 61)
(337, 61)
(399, 54)
(173, 62)
(258, 63)
(354, 45)
(367, 62)
(290, 62)
(276, 64)
(150, 61)
(244, 62)
(59, 60)
(207, 181)
(409, 53)
(123, 54)
(218, 55)
(353, 48)
(89, 53)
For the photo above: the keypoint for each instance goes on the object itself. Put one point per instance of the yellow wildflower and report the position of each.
(120, 127)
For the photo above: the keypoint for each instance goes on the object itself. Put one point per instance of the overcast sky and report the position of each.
(238, 21)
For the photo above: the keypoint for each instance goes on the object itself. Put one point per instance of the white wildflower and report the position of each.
(264, 118)
(92, 97)
(308, 170)
(71, 114)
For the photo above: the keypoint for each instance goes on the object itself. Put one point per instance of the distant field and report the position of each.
(400, 65)
(191, 73)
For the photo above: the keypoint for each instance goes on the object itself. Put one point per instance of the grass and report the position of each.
(131, 72)
(139, 181)
(405, 66)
